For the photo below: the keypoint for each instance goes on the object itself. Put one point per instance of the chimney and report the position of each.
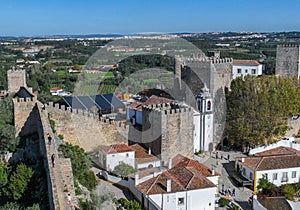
(170, 163)
(243, 160)
(149, 151)
(136, 178)
(169, 182)
(213, 172)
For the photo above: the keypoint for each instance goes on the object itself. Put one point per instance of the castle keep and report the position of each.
(288, 61)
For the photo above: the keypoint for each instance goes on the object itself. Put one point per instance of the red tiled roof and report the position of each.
(141, 155)
(182, 179)
(271, 162)
(116, 148)
(150, 101)
(246, 62)
(185, 174)
(180, 160)
(278, 151)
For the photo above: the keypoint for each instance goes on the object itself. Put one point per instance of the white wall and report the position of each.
(214, 179)
(245, 70)
(193, 199)
(279, 172)
(209, 131)
(146, 164)
(115, 159)
(196, 131)
(285, 143)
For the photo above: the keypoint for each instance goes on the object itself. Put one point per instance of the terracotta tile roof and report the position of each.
(116, 148)
(180, 160)
(185, 174)
(150, 101)
(278, 151)
(271, 162)
(246, 62)
(182, 179)
(141, 154)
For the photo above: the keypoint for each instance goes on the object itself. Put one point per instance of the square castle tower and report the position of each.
(288, 61)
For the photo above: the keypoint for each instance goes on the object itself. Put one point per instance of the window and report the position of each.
(294, 173)
(246, 71)
(251, 176)
(284, 177)
(274, 176)
(208, 105)
(244, 171)
(253, 71)
(127, 155)
(266, 175)
(239, 71)
(180, 201)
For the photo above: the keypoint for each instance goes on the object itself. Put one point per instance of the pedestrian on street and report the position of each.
(222, 189)
(233, 192)
(229, 191)
(216, 155)
(69, 199)
(228, 156)
(221, 157)
(53, 160)
(49, 139)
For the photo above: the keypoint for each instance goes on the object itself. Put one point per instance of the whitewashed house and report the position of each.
(185, 185)
(241, 68)
(279, 168)
(114, 155)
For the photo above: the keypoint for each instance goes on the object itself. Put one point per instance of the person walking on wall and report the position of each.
(53, 160)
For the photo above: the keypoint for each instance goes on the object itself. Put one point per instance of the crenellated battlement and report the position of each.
(221, 60)
(69, 110)
(166, 108)
(21, 71)
(288, 46)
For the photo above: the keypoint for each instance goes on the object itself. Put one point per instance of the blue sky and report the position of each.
(51, 17)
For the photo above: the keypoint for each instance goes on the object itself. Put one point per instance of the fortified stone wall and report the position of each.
(287, 61)
(61, 174)
(83, 128)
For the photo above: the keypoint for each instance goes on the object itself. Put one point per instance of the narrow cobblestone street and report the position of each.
(225, 167)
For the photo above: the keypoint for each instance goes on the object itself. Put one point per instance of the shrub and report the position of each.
(223, 202)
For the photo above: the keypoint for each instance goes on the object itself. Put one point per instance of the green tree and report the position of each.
(124, 169)
(289, 191)
(264, 184)
(18, 182)
(258, 108)
(3, 175)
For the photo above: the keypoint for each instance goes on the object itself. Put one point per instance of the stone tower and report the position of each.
(216, 73)
(288, 61)
(16, 79)
(206, 121)
(168, 130)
